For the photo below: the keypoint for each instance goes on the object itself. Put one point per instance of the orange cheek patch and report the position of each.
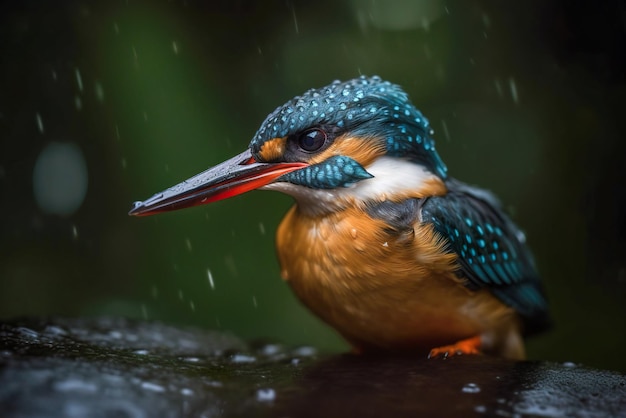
(362, 150)
(273, 149)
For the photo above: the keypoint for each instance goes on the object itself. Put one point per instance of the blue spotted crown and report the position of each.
(364, 106)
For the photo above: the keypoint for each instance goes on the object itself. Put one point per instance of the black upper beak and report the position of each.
(237, 175)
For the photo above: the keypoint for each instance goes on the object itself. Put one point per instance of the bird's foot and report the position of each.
(468, 346)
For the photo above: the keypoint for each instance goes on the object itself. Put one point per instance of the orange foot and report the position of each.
(468, 346)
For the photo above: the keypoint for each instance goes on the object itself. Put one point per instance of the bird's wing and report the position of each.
(491, 250)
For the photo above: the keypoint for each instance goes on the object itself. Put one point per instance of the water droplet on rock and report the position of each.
(153, 387)
(266, 395)
(470, 388)
(242, 358)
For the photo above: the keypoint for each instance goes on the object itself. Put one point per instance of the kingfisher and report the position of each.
(381, 243)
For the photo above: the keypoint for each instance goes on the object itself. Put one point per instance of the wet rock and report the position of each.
(120, 368)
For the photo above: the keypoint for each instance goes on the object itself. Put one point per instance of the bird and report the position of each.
(381, 243)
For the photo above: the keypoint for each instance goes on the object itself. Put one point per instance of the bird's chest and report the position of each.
(367, 282)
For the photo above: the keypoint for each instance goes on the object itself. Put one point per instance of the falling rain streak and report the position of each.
(39, 123)
(427, 52)
(295, 19)
(513, 88)
(99, 91)
(446, 133)
(175, 47)
(498, 87)
(79, 79)
(135, 58)
(210, 279)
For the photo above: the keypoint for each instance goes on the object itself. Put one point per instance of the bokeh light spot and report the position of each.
(60, 179)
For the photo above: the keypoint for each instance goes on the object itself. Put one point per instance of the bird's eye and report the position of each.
(312, 140)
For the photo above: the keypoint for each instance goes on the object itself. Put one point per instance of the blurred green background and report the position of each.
(107, 102)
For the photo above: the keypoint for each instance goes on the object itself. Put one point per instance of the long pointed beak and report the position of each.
(238, 175)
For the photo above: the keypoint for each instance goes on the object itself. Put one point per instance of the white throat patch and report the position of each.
(392, 176)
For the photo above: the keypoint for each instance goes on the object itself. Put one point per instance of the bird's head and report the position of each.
(342, 144)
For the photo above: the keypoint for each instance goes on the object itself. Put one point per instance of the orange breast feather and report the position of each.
(381, 289)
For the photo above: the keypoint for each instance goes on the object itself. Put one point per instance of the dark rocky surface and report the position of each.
(121, 368)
